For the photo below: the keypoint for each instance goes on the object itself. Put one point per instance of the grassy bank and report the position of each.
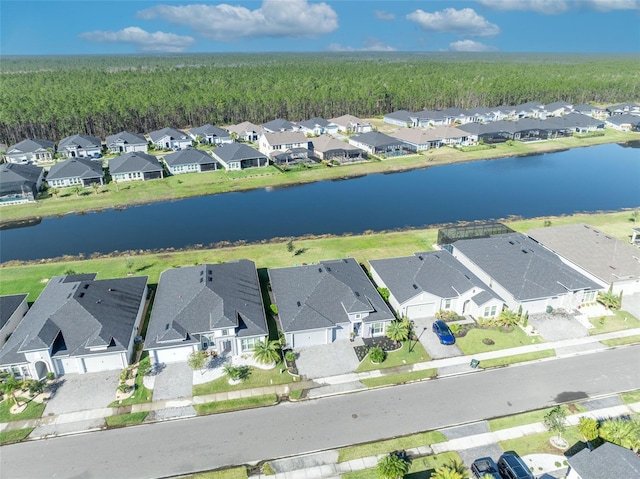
(189, 185)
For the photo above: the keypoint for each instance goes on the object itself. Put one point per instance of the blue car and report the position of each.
(443, 332)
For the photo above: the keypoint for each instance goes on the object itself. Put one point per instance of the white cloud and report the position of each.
(470, 46)
(382, 15)
(275, 18)
(464, 22)
(370, 45)
(608, 5)
(548, 7)
(141, 39)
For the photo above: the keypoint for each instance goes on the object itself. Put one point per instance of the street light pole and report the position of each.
(417, 339)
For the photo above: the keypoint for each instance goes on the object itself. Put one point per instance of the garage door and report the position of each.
(172, 355)
(423, 310)
(309, 338)
(66, 365)
(103, 362)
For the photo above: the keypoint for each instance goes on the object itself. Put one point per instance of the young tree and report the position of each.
(290, 246)
(266, 352)
(556, 420)
(197, 360)
(11, 386)
(588, 427)
(392, 466)
(54, 192)
(95, 187)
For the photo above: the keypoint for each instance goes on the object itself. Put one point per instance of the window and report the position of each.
(588, 297)
(225, 332)
(377, 328)
(248, 344)
(490, 311)
(447, 304)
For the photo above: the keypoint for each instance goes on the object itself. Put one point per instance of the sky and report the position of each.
(53, 27)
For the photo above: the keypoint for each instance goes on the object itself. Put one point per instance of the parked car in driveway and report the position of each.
(511, 466)
(484, 468)
(443, 332)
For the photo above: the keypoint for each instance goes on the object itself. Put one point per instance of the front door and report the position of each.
(356, 329)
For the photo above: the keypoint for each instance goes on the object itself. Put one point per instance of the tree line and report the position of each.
(53, 97)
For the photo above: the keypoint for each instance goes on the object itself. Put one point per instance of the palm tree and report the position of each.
(266, 352)
(54, 192)
(446, 472)
(76, 190)
(623, 432)
(12, 385)
(95, 187)
(392, 466)
(508, 318)
(609, 299)
(397, 331)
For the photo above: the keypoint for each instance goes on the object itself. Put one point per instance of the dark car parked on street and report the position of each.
(485, 467)
(443, 332)
(511, 466)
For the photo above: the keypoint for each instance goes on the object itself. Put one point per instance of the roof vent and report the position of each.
(524, 251)
(81, 295)
(298, 303)
(415, 286)
(357, 294)
(420, 258)
(319, 270)
(511, 242)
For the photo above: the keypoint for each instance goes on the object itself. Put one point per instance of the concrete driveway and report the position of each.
(431, 342)
(556, 327)
(327, 360)
(81, 392)
(631, 304)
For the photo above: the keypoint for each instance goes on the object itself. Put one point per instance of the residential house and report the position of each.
(211, 135)
(31, 151)
(170, 139)
(317, 126)
(80, 146)
(76, 172)
(329, 301)
(579, 123)
(606, 461)
(285, 147)
(135, 166)
(211, 307)
(590, 110)
(19, 183)
(190, 160)
(349, 124)
(399, 118)
(13, 308)
(523, 273)
(125, 142)
(246, 131)
(624, 122)
(418, 139)
(597, 255)
(279, 125)
(503, 112)
(328, 148)
(624, 109)
(378, 143)
(557, 108)
(531, 109)
(480, 114)
(425, 283)
(237, 156)
(77, 325)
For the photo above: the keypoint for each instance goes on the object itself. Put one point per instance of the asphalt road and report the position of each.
(179, 447)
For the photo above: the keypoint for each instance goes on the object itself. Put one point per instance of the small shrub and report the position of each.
(290, 356)
(50, 376)
(377, 355)
(447, 315)
(274, 308)
(455, 328)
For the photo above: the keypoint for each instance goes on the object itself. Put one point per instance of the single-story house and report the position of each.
(378, 143)
(291, 156)
(13, 308)
(170, 138)
(80, 146)
(246, 131)
(76, 172)
(136, 166)
(597, 255)
(590, 110)
(574, 122)
(282, 141)
(425, 283)
(77, 325)
(503, 112)
(481, 114)
(557, 108)
(216, 307)
(237, 156)
(624, 122)
(19, 183)
(403, 118)
(317, 126)
(210, 134)
(624, 108)
(530, 109)
(418, 139)
(329, 301)
(190, 160)
(523, 273)
(279, 125)
(350, 124)
(608, 460)
(125, 142)
(328, 148)
(31, 151)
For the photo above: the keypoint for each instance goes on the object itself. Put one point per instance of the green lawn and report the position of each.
(631, 397)
(233, 473)
(235, 404)
(34, 410)
(517, 358)
(619, 321)
(529, 417)
(15, 435)
(141, 394)
(400, 378)
(119, 420)
(397, 358)
(396, 444)
(421, 468)
(472, 342)
(621, 341)
(539, 443)
(258, 378)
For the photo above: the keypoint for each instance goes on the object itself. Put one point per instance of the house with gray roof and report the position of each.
(425, 283)
(76, 172)
(80, 146)
(210, 135)
(31, 151)
(19, 183)
(328, 148)
(279, 124)
(13, 308)
(279, 141)
(596, 254)
(237, 156)
(523, 273)
(317, 126)
(624, 122)
(211, 307)
(530, 109)
(403, 118)
(78, 324)
(326, 302)
(246, 131)
(135, 166)
(623, 109)
(170, 139)
(349, 124)
(606, 461)
(380, 144)
(418, 139)
(557, 108)
(126, 142)
(190, 160)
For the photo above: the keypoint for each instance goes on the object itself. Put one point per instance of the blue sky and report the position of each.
(30, 27)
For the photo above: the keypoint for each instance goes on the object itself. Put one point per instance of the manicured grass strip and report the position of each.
(258, 378)
(619, 321)
(517, 358)
(389, 445)
(529, 417)
(235, 404)
(400, 357)
(141, 394)
(34, 410)
(539, 444)
(399, 378)
(126, 419)
(472, 342)
(233, 473)
(15, 435)
(630, 397)
(296, 394)
(621, 341)
(421, 468)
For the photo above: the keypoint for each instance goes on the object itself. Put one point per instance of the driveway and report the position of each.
(81, 392)
(431, 342)
(631, 304)
(327, 360)
(556, 326)
(175, 380)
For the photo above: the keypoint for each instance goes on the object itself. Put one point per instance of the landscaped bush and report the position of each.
(447, 315)
(377, 355)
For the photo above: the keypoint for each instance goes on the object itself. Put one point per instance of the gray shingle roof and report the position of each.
(314, 122)
(203, 298)
(236, 152)
(134, 161)
(209, 130)
(83, 141)
(607, 461)
(79, 309)
(189, 156)
(523, 267)
(322, 295)
(14, 178)
(376, 139)
(285, 137)
(32, 145)
(76, 168)
(170, 132)
(126, 138)
(8, 305)
(245, 126)
(325, 143)
(624, 119)
(400, 115)
(278, 125)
